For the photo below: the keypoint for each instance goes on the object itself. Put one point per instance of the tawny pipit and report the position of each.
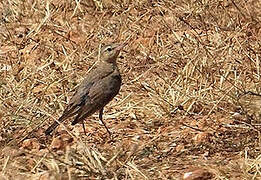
(100, 86)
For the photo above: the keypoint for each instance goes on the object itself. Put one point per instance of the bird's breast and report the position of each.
(115, 83)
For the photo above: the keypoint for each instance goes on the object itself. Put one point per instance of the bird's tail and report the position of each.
(51, 128)
(67, 113)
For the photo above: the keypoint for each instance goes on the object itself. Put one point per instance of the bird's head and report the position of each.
(109, 53)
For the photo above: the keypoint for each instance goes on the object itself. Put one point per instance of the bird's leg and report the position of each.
(100, 117)
(84, 128)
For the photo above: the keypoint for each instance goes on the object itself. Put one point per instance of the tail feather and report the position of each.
(67, 113)
(51, 128)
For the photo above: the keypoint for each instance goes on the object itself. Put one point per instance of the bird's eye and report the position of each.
(109, 49)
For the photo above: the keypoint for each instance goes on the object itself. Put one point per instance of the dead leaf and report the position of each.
(31, 144)
(180, 147)
(198, 174)
(39, 88)
(201, 137)
(60, 142)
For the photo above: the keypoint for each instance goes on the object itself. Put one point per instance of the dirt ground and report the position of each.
(189, 106)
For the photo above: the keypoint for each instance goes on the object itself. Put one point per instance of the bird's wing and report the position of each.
(81, 95)
(104, 90)
(100, 94)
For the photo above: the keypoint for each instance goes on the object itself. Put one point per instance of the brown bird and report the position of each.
(99, 87)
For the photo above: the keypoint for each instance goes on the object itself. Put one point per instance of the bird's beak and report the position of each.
(121, 46)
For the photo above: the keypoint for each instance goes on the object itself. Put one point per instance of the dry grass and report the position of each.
(190, 97)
